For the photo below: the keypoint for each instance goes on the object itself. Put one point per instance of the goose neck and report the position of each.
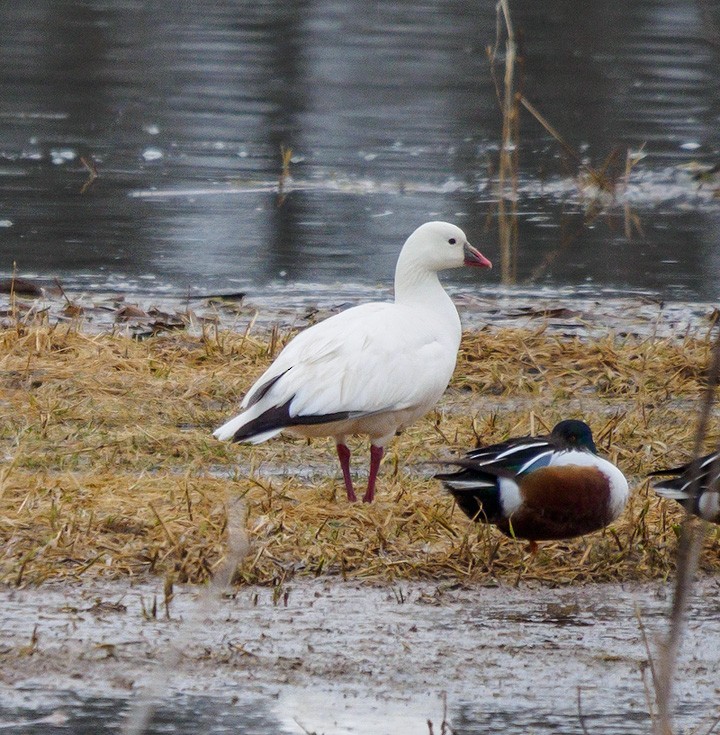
(421, 289)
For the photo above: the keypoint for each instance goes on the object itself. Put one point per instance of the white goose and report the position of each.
(371, 369)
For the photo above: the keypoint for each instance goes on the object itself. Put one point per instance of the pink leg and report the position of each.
(344, 456)
(376, 454)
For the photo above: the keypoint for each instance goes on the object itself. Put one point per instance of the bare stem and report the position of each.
(509, 163)
(691, 539)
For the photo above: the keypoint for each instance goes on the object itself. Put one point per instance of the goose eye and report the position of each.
(452, 240)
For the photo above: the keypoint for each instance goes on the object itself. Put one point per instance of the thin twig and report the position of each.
(93, 174)
(643, 634)
(509, 156)
(581, 716)
(62, 291)
(285, 156)
(691, 538)
(552, 130)
(206, 607)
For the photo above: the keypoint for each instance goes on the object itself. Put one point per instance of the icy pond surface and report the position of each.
(140, 144)
(338, 657)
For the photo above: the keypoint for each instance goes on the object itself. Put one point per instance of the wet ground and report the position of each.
(337, 657)
(565, 311)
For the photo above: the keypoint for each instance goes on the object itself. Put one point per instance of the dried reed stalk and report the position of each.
(691, 539)
(114, 471)
(509, 147)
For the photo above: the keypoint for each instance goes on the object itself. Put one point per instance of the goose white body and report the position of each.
(374, 361)
(371, 369)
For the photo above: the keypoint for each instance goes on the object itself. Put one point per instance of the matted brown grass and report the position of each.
(109, 467)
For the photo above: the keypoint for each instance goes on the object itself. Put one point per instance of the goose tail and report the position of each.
(239, 430)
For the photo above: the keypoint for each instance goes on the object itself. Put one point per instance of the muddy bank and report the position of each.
(333, 657)
(295, 306)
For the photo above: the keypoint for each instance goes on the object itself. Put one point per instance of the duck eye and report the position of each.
(452, 240)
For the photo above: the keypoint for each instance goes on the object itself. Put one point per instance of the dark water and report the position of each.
(343, 658)
(390, 111)
(69, 713)
(183, 714)
(187, 715)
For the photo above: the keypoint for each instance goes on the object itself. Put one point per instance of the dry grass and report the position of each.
(109, 467)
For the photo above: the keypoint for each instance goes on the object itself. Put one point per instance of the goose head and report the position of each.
(439, 246)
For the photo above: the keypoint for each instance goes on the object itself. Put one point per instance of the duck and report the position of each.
(540, 488)
(704, 474)
(372, 369)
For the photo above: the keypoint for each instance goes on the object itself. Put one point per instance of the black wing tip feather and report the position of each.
(278, 417)
(667, 472)
(256, 393)
(699, 467)
(479, 504)
(464, 463)
(466, 499)
(469, 505)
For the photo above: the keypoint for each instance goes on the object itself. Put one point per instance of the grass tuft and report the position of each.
(110, 468)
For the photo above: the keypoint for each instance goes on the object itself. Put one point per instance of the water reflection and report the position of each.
(181, 714)
(304, 710)
(343, 657)
(391, 113)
